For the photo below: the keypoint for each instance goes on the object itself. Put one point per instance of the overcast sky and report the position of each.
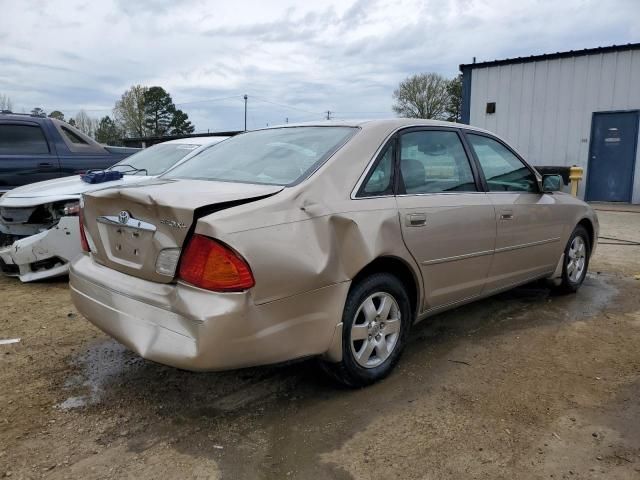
(305, 57)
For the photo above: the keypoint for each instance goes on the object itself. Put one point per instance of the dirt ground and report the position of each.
(525, 385)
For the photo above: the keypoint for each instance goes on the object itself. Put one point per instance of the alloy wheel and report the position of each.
(375, 329)
(577, 259)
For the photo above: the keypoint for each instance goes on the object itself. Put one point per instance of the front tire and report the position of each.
(576, 261)
(376, 320)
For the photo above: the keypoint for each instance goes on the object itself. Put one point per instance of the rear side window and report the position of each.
(503, 171)
(22, 140)
(73, 137)
(380, 180)
(433, 161)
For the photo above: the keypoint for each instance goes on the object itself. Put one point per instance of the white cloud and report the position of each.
(345, 56)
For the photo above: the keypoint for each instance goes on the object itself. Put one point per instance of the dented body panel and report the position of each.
(43, 255)
(305, 244)
(194, 329)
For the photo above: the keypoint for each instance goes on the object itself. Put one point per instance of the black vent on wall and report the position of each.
(491, 107)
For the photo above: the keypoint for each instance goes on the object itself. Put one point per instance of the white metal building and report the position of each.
(562, 109)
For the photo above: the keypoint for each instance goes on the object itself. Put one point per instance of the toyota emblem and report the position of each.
(123, 217)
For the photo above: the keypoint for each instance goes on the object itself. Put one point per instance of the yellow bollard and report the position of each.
(575, 175)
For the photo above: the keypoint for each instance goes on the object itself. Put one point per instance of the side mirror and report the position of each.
(551, 183)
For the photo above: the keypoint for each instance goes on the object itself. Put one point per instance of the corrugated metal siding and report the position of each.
(544, 108)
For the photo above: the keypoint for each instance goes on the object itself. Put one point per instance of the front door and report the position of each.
(529, 223)
(448, 224)
(612, 155)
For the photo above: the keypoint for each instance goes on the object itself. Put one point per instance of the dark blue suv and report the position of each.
(33, 149)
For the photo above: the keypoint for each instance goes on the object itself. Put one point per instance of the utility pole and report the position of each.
(245, 112)
(286, 120)
(328, 114)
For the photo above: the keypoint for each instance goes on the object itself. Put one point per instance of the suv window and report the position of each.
(434, 161)
(22, 140)
(503, 171)
(380, 179)
(73, 137)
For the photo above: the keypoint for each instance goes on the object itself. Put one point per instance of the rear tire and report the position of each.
(375, 325)
(576, 261)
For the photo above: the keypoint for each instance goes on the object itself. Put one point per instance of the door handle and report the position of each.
(506, 215)
(416, 219)
(45, 165)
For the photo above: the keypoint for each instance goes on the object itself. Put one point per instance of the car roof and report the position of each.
(196, 140)
(391, 123)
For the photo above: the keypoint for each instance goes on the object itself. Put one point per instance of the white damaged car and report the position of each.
(39, 229)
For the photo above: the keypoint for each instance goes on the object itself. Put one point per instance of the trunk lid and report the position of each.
(129, 227)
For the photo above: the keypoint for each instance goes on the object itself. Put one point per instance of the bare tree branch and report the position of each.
(423, 95)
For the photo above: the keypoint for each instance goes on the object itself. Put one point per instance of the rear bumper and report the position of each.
(194, 329)
(44, 255)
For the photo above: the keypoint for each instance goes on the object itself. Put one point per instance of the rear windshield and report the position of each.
(277, 156)
(155, 160)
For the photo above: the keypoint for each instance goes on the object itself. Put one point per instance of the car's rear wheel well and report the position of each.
(586, 223)
(396, 267)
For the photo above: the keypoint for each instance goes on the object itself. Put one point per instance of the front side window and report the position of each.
(22, 140)
(277, 156)
(380, 181)
(433, 161)
(503, 171)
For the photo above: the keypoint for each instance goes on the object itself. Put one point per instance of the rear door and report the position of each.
(25, 155)
(529, 223)
(448, 223)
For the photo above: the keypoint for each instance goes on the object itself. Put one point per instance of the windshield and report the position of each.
(156, 159)
(277, 156)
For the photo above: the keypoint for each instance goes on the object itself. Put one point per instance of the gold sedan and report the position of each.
(327, 240)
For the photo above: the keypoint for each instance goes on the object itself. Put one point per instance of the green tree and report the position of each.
(159, 111)
(181, 124)
(38, 112)
(72, 122)
(57, 114)
(423, 95)
(454, 104)
(107, 132)
(129, 112)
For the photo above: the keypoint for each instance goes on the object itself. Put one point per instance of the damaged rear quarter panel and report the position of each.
(292, 258)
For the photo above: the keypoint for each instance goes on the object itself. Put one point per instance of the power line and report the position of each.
(209, 100)
(285, 106)
(371, 113)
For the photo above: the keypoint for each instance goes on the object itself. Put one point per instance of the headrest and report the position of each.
(413, 173)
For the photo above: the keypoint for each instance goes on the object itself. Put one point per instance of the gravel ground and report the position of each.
(523, 385)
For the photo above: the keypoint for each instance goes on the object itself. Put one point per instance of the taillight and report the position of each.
(211, 265)
(83, 236)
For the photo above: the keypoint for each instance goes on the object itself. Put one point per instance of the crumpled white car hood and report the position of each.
(66, 188)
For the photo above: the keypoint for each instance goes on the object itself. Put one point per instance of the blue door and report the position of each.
(614, 138)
